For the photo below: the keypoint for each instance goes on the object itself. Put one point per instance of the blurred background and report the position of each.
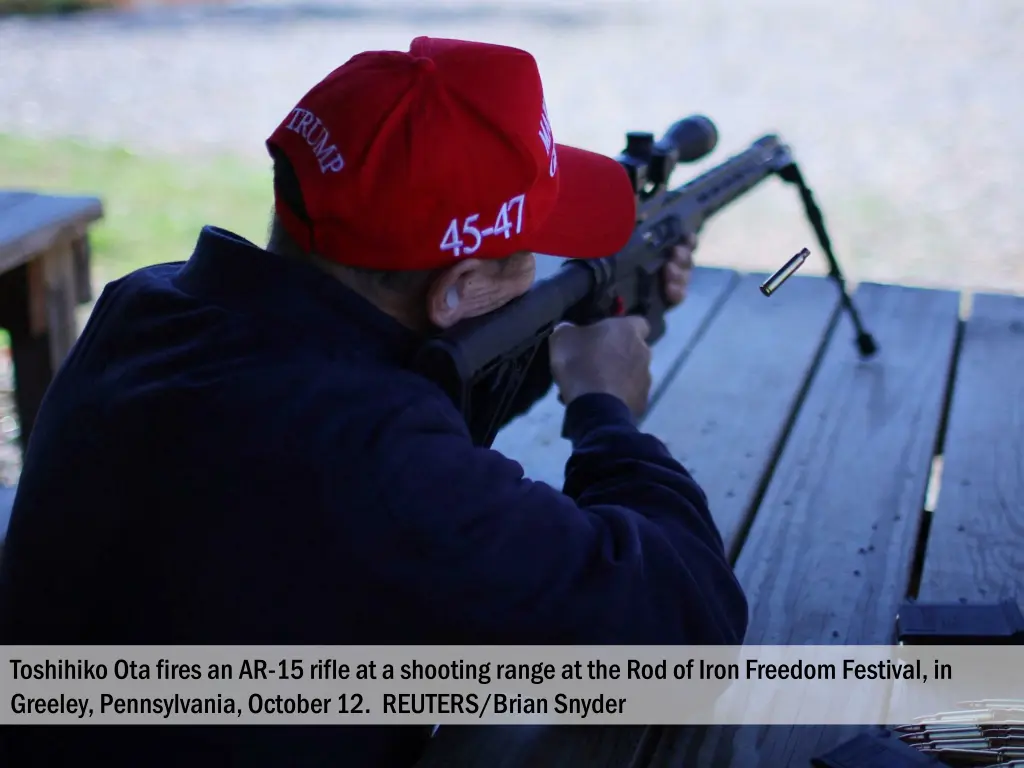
(903, 115)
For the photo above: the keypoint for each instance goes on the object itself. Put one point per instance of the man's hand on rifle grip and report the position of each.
(677, 271)
(612, 356)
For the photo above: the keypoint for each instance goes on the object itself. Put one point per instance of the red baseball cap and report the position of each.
(415, 160)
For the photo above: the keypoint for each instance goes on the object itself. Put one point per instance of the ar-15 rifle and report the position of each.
(482, 362)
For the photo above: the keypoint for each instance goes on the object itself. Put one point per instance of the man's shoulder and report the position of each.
(155, 354)
(152, 277)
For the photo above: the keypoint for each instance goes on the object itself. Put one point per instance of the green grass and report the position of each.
(154, 206)
(45, 7)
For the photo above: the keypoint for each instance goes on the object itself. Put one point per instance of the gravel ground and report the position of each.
(902, 114)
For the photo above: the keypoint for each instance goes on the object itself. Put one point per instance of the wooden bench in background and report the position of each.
(44, 277)
(817, 465)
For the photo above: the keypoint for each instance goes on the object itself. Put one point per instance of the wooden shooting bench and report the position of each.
(44, 276)
(817, 465)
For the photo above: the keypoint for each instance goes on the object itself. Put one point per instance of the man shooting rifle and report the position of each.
(239, 449)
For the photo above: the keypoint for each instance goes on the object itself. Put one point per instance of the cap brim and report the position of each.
(595, 212)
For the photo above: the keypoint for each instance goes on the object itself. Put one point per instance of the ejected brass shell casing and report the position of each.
(769, 286)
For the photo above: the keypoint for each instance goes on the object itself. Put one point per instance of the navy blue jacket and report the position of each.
(234, 452)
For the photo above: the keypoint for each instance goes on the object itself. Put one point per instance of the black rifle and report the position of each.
(482, 362)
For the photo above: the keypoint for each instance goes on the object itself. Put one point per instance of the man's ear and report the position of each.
(454, 293)
(475, 287)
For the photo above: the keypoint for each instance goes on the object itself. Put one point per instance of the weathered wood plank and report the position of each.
(975, 548)
(828, 557)
(725, 412)
(61, 298)
(31, 223)
(82, 249)
(10, 199)
(534, 439)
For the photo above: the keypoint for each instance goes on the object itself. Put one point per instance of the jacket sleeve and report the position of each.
(628, 554)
